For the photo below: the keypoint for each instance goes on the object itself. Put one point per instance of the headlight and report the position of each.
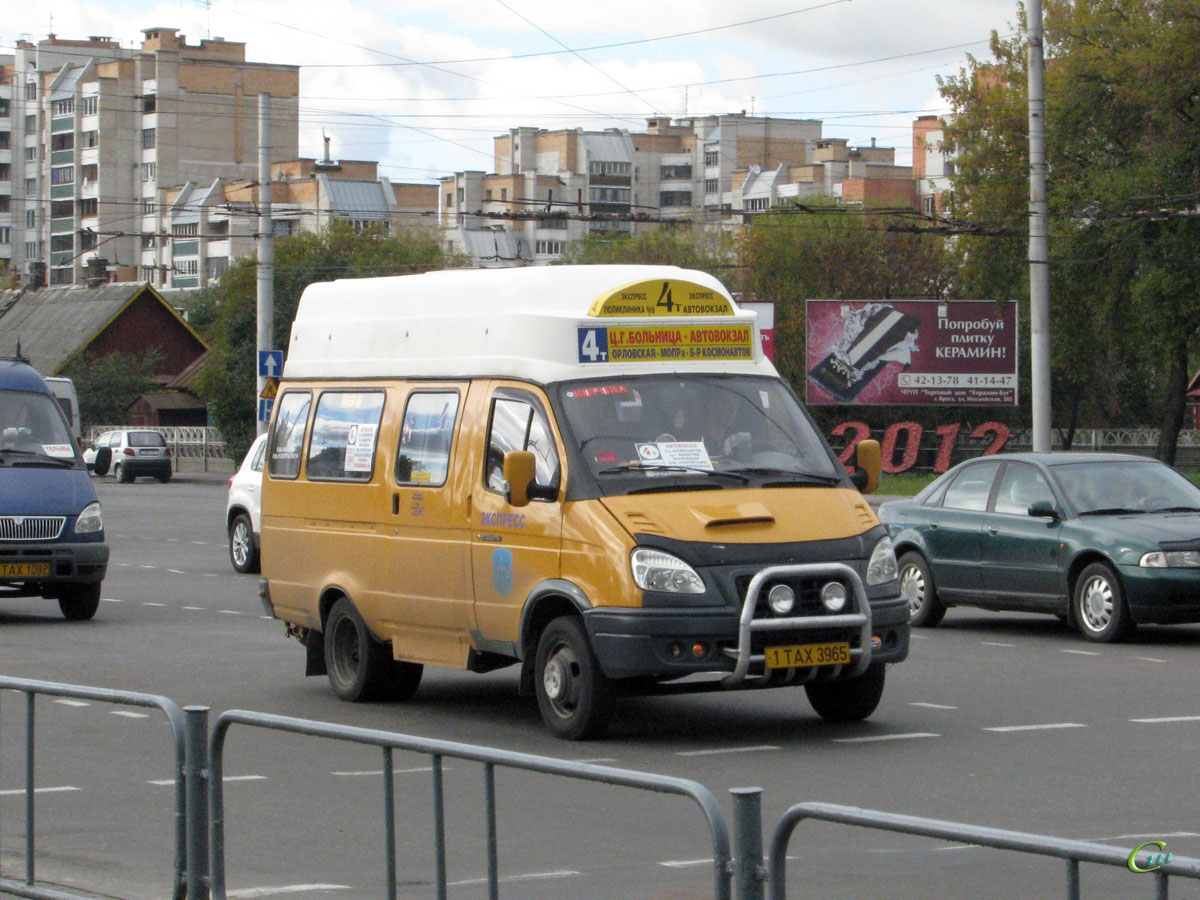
(882, 566)
(781, 599)
(834, 596)
(654, 570)
(89, 520)
(1171, 559)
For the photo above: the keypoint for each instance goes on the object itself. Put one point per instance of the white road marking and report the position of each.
(1082, 652)
(726, 750)
(112, 600)
(685, 863)
(201, 543)
(130, 715)
(285, 889)
(1045, 727)
(379, 772)
(560, 873)
(66, 701)
(933, 705)
(230, 612)
(176, 572)
(165, 781)
(1169, 719)
(198, 608)
(20, 792)
(147, 567)
(886, 737)
(1150, 659)
(918, 637)
(996, 644)
(148, 603)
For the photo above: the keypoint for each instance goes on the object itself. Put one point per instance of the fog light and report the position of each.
(833, 595)
(675, 650)
(876, 643)
(781, 599)
(699, 651)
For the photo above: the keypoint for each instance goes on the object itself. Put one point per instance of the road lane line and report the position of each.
(995, 644)
(886, 737)
(20, 792)
(559, 873)
(1169, 719)
(1081, 652)
(176, 572)
(112, 600)
(148, 603)
(230, 612)
(685, 863)
(198, 608)
(932, 705)
(1150, 659)
(1046, 727)
(726, 750)
(271, 891)
(165, 781)
(66, 701)
(129, 714)
(379, 772)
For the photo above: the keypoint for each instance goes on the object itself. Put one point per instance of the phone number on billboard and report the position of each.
(918, 380)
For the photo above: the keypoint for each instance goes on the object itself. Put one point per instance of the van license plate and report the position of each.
(24, 570)
(808, 655)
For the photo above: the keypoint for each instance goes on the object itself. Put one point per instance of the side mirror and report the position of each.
(520, 467)
(867, 466)
(1043, 509)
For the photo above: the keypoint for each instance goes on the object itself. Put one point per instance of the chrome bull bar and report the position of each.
(859, 617)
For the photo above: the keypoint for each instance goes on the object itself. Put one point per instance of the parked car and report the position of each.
(1104, 541)
(242, 508)
(131, 453)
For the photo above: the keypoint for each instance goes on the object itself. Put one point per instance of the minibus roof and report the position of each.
(538, 323)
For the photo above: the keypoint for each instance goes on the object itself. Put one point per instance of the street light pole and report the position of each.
(1039, 237)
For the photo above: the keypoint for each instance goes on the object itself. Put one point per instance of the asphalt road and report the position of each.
(1002, 720)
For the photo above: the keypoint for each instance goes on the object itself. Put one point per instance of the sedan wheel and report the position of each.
(916, 586)
(242, 551)
(1099, 607)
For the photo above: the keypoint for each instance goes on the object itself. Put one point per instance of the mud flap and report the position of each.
(314, 648)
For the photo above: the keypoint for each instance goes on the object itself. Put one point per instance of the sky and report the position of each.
(422, 86)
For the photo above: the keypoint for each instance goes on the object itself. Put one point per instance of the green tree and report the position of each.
(227, 314)
(680, 246)
(107, 385)
(1123, 149)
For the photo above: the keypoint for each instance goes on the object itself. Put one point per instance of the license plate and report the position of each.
(808, 655)
(24, 570)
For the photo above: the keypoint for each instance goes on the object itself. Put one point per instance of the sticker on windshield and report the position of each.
(61, 451)
(360, 448)
(691, 454)
(601, 391)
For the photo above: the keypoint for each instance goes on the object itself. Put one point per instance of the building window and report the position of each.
(282, 227)
(63, 107)
(31, 153)
(61, 242)
(89, 106)
(31, 124)
(756, 204)
(87, 239)
(217, 266)
(487, 195)
(148, 138)
(31, 90)
(62, 276)
(608, 195)
(62, 209)
(90, 139)
(187, 229)
(712, 185)
(187, 267)
(712, 158)
(608, 168)
(5, 203)
(675, 173)
(5, 140)
(89, 173)
(5, 172)
(928, 201)
(147, 206)
(148, 171)
(149, 274)
(551, 248)
(503, 195)
(30, 185)
(147, 242)
(449, 200)
(31, 250)
(89, 206)
(5, 112)
(675, 198)
(30, 219)
(62, 175)
(64, 141)
(5, 234)
(149, 104)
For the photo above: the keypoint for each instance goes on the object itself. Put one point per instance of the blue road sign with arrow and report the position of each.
(270, 363)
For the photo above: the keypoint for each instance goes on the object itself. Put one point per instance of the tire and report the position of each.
(849, 700)
(574, 697)
(925, 610)
(360, 667)
(79, 602)
(243, 550)
(121, 474)
(164, 478)
(1098, 604)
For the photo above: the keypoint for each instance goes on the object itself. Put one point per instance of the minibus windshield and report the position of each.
(32, 425)
(730, 430)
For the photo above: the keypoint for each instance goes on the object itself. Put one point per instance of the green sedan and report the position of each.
(1104, 541)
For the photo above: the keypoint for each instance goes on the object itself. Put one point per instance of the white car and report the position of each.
(242, 508)
(132, 452)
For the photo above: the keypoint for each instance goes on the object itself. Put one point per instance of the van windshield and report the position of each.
(729, 431)
(31, 424)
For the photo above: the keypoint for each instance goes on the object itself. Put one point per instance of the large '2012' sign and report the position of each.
(912, 433)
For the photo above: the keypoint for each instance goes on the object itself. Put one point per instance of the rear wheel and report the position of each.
(916, 585)
(243, 552)
(164, 477)
(79, 602)
(360, 667)
(1101, 613)
(849, 700)
(122, 474)
(575, 698)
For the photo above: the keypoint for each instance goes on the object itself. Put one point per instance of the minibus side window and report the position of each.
(423, 455)
(287, 435)
(518, 425)
(344, 432)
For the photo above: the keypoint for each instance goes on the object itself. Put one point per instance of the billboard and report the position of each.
(911, 352)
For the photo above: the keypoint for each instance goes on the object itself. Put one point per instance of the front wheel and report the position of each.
(79, 602)
(243, 552)
(1101, 613)
(848, 700)
(917, 588)
(574, 697)
(360, 667)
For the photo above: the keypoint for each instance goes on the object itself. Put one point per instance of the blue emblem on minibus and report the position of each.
(502, 573)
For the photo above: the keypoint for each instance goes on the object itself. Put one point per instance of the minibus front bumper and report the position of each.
(674, 642)
(35, 569)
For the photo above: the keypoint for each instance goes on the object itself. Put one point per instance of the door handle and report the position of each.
(491, 538)
(993, 529)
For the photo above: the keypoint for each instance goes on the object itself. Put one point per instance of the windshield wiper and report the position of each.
(1112, 511)
(1171, 509)
(39, 458)
(790, 473)
(642, 467)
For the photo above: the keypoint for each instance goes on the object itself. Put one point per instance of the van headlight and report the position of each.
(1171, 559)
(882, 566)
(89, 521)
(654, 570)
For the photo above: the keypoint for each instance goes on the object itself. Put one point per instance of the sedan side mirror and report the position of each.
(1043, 509)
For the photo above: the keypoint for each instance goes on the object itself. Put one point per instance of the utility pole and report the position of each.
(266, 259)
(1039, 237)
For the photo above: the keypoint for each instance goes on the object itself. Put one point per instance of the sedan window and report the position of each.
(971, 488)
(1020, 486)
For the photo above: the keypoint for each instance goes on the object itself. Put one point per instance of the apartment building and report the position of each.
(98, 133)
(551, 188)
(933, 170)
(207, 225)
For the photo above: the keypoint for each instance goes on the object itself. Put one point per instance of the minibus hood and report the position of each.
(749, 516)
(44, 491)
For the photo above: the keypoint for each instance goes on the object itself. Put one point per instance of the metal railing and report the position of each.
(186, 442)
(1074, 852)
(488, 757)
(188, 874)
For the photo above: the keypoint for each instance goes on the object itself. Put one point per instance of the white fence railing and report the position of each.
(186, 442)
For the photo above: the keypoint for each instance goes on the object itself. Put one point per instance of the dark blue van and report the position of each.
(51, 533)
